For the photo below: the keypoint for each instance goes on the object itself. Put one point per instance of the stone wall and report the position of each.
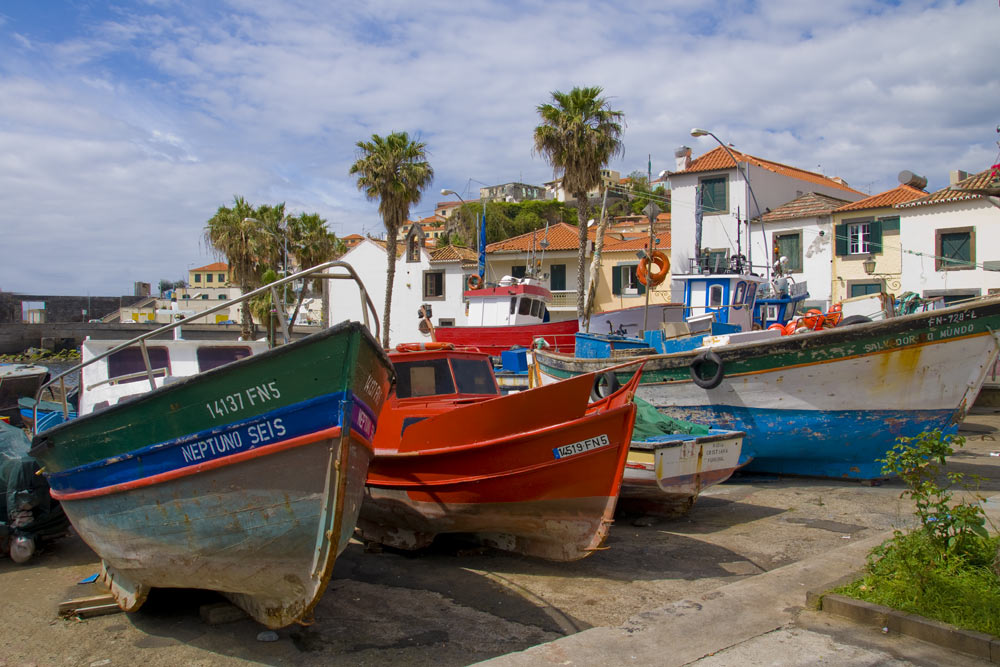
(61, 309)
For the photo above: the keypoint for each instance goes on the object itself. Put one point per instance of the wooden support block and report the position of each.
(70, 607)
(98, 610)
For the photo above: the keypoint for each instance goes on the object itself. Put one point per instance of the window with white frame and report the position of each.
(858, 238)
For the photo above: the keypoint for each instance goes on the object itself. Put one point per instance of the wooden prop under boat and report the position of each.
(244, 479)
(533, 472)
(827, 403)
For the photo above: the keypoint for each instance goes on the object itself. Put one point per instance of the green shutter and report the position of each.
(616, 280)
(875, 237)
(642, 288)
(890, 224)
(840, 239)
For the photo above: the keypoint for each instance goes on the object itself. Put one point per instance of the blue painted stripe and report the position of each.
(267, 428)
(826, 443)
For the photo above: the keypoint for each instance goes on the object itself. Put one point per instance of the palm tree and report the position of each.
(579, 135)
(392, 170)
(311, 243)
(235, 234)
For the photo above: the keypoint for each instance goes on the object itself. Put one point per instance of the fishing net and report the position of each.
(650, 422)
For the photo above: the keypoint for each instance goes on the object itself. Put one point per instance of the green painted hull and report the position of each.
(330, 361)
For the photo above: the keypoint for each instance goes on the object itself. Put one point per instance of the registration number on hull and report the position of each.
(583, 446)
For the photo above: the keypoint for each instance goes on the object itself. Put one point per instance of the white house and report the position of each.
(802, 232)
(725, 199)
(436, 277)
(951, 239)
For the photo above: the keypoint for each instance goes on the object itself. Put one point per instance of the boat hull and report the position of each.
(190, 487)
(828, 403)
(548, 492)
(666, 475)
(18, 381)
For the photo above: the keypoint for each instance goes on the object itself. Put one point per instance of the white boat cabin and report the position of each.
(729, 298)
(124, 374)
(513, 301)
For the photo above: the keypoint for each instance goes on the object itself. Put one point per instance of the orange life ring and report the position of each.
(420, 347)
(642, 271)
(474, 282)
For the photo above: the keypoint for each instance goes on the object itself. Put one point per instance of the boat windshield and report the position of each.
(215, 356)
(432, 377)
(129, 365)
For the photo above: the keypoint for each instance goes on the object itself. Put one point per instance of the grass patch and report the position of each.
(948, 568)
(905, 573)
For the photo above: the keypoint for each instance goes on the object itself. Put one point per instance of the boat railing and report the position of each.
(320, 271)
(128, 378)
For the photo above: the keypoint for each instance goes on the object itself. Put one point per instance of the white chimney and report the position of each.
(683, 157)
(957, 175)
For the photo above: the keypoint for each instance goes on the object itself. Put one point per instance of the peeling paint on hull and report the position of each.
(828, 403)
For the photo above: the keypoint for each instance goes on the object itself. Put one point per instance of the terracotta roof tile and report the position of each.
(718, 158)
(216, 266)
(952, 193)
(451, 253)
(810, 204)
(898, 195)
(561, 236)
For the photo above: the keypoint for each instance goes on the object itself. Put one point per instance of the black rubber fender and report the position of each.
(605, 384)
(699, 361)
(854, 319)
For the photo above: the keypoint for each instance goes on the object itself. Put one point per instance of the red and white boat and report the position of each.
(536, 472)
(515, 313)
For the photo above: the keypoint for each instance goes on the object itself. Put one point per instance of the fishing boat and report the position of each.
(18, 381)
(670, 462)
(535, 472)
(244, 475)
(824, 403)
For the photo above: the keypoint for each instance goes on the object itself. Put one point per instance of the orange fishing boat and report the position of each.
(534, 472)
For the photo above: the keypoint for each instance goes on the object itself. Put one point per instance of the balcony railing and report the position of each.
(563, 300)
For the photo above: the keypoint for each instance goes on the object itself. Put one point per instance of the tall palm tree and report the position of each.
(392, 170)
(578, 136)
(235, 234)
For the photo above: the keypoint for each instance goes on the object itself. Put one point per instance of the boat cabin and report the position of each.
(513, 301)
(729, 298)
(125, 374)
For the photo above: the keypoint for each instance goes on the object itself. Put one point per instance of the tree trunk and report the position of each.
(246, 318)
(390, 278)
(595, 264)
(581, 269)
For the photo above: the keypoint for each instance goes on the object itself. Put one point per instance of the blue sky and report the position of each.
(124, 126)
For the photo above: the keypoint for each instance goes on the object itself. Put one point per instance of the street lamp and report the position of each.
(869, 265)
(698, 132)
(480, 233)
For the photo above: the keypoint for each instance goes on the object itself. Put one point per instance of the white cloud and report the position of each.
(121, 135)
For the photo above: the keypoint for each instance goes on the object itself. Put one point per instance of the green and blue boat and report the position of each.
(245, 479)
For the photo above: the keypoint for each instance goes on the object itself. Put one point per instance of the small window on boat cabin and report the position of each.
(739, 293)
(513, 304)
(129, 362)
(428, 377)
(536, 308)
(525, 306)
(473, 376)
(715, 296)
(215, 356)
